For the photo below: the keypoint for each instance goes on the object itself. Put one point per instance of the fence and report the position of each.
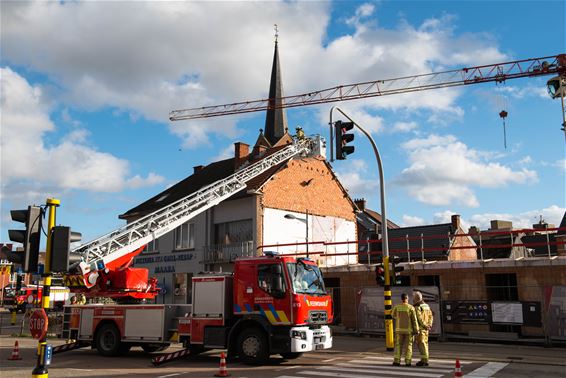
(360, 309)
(411, 247)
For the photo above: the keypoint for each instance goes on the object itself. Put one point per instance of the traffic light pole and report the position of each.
(389, 342)
(40, 370)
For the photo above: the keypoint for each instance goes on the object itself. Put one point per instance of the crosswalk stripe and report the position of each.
(341, 375)
(393, 371)
(435, 360)
(389, 366)
(487, 370)
(389, 361)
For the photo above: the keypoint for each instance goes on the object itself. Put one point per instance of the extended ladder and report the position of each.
(96, 254)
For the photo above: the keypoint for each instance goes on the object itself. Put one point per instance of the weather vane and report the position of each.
(276, 32)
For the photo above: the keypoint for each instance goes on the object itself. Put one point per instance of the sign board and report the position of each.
(38, 323)
(458, 312)
(507, 312)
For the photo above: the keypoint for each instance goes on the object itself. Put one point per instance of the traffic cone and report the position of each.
(15, 353)
(222, 372)
(457, 369)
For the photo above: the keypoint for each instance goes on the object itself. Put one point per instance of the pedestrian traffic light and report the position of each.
(396, 270)
(380, 274)
(29, 237)
(61, 239)
(342, 139)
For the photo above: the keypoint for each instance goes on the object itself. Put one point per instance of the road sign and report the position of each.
(38, 324)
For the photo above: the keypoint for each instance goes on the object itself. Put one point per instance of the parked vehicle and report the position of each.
(58, 297)
(268, 305)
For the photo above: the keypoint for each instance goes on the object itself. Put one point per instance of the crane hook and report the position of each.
(503, 114)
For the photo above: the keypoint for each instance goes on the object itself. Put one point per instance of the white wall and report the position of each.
(279, 230)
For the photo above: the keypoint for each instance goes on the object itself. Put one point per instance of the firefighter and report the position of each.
(406, 327)
(81, 299)
(424, 319)
(300, 133)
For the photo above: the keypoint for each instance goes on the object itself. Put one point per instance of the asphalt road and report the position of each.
(352, 357)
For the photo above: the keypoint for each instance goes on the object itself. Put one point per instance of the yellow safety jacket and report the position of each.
(405, 319)
(424, 316)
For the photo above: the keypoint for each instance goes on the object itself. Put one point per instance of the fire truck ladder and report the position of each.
(97, 254)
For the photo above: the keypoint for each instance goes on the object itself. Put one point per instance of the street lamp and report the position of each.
(306, 221)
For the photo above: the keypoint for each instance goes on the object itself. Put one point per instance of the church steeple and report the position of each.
(276, 119)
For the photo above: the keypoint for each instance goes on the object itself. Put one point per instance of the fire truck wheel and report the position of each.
(108, 341)
(291, 355)
(253, 348)
(150, 348)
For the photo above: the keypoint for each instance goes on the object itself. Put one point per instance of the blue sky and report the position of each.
(87, 87)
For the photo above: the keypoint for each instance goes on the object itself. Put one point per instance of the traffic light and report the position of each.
(342, 139)
(380, 274)
(29, 237)
(61, 239)
(396, 270)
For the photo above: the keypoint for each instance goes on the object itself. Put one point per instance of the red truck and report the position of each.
(31, 295)
(268, 305)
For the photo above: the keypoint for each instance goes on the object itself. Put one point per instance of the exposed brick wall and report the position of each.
(464, 253)
(308, 184)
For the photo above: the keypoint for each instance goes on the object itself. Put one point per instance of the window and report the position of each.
(185, 236)
(233, 232)
(152, 246)
(270, 279)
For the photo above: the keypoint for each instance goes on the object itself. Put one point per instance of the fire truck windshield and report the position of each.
(306, 278)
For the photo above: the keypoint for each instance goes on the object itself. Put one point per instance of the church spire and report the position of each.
(276, 119)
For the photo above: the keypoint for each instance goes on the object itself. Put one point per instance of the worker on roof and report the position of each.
(406, 327)
(300, 133)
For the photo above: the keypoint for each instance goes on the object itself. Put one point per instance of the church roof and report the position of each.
(276, 119)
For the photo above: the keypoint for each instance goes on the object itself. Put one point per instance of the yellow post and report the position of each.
(389, 341)
(40, 370)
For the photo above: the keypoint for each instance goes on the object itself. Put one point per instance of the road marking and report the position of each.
(487, 370)
(407, 372)
(169, 375)
(287, 368)
(80, 369)
(332, 359)
(452, 362)
(388, 366)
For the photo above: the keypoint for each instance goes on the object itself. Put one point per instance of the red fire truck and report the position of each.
(268, 305)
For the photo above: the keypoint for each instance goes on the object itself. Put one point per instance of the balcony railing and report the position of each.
(225, 253)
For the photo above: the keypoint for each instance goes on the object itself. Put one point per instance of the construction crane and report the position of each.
(499, 72)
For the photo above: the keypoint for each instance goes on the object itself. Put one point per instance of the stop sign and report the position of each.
(38, 324)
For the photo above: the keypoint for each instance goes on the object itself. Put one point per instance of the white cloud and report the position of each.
(354, 179)
(409, 220)
(443, 171)
(404, 127)
(192, 50)
(71, 164)
(552, 215)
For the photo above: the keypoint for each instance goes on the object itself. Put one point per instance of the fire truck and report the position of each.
(31, 295)
(269, 305)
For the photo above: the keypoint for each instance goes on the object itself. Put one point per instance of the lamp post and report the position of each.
(389, 343)
(306, 221)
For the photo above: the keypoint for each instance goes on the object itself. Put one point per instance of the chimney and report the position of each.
(456, 222)
(197, 169)
(241, 152)
(360, 203)
(474, 230)
(501, 225)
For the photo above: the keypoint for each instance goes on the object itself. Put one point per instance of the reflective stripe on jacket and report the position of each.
(424, 316)
(405, 319)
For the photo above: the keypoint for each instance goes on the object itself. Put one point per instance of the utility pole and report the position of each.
(389, 342)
